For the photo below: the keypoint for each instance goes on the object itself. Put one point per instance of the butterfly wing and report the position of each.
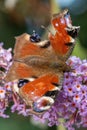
(63, 41)
(25, 47)
(39, 92)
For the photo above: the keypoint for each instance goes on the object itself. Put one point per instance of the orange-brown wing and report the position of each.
(64, 39)
(41, 92)
(24, 47)
(40, 86)
(18, 70)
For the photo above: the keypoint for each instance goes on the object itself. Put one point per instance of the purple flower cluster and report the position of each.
(70, 104)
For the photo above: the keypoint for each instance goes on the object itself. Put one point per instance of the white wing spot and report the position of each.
(31, 79)
(56, 24)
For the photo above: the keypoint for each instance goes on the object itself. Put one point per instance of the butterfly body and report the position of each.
(38, 66)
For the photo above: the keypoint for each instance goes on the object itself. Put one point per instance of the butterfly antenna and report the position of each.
(46, 29)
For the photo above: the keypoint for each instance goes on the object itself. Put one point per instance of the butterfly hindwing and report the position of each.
(40, 91)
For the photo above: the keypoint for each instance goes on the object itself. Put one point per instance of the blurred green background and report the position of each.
(19, 16)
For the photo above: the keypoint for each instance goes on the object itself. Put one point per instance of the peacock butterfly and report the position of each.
(38, 66)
